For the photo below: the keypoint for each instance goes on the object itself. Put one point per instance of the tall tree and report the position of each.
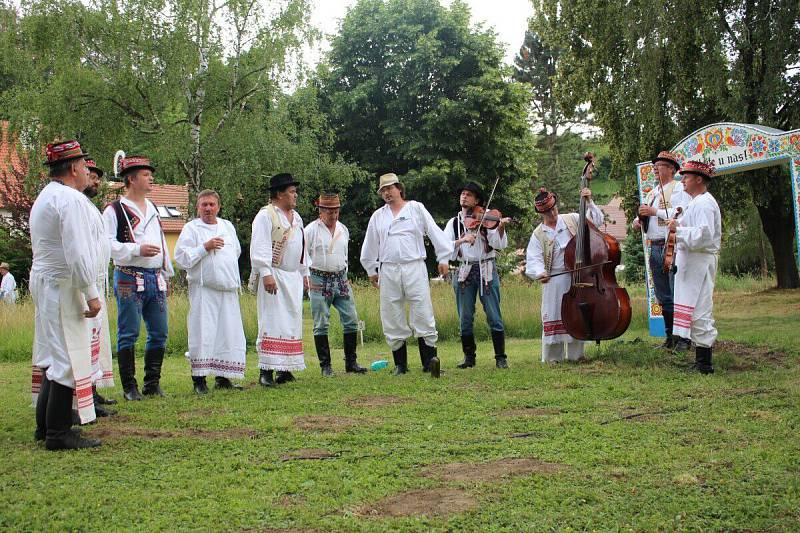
(654, 71)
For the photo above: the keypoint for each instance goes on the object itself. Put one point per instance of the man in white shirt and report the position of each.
(393, 254)
(660, 205)
(477, 274)
(8, 285)
(277, 256)
(698, 240)
(545, 258)
(326, 245)
(142, 268)
(209, 250)
(64, 289)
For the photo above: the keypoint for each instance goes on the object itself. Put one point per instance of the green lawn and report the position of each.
(625, 441)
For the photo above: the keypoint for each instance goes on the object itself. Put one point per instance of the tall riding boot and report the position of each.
(400, 357)
(200, 385)
(702, 362)
(499, 342)
(324, 354)
(59, 421)
(41, 409)
(153, 359)
(127, 373)
(350, 356)
(469, 349)
(424, 356)
(265, 378)
(434, 366)
(669, 342)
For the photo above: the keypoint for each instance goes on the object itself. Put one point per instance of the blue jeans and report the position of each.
(490, 299)
(133, 306)
(333, 291)
(664, 284)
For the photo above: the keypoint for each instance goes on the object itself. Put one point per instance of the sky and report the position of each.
(509, 18)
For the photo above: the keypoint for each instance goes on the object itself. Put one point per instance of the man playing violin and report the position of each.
(545, 258)
(475, 240)
(699, 233)
(659, 206)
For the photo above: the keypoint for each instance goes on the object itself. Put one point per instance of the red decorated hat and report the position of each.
(91, 165)
(669, 157)
(133, 162)
(544, 201)
(64, 151)
(698, 167)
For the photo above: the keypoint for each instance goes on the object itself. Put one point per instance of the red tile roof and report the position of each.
(616, 223)
(176, 196)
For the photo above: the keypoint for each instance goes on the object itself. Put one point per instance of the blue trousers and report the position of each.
(490, 299)
(332, 291)
(134, 305)
(664, 284)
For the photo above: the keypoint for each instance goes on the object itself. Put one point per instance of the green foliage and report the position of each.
(633, 257)
(15, 249)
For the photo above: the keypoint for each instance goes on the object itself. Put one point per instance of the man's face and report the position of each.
(81, 174)
(390, 194)
(141, 180)
(468, 199)
(664, 171)
(3, 272)
(329, 216)
(208, 209)
(93, 188)
(692, 183)
(288, 198)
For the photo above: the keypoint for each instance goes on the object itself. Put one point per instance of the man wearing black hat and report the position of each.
(477, 274)
(277, 255)
(142, 267)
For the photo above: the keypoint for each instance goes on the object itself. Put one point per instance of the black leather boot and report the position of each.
(59, 421)
(102, 412)
(424, 356)
(41, 409)
(400, 357)
(681, 345)
(99, 400)
(669, 342)
(284, 376)
(324, 354)
(265, 378)
(702, 361)
(200, 386)
(350, 356)
(499, 342)
(153, 359)
(469, 349)
(221, 382)
(127, 374)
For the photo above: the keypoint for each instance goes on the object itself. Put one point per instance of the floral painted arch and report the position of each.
(731, 147)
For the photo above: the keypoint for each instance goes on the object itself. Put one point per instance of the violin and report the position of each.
(595, 307)
(480, 217)
(669, 245)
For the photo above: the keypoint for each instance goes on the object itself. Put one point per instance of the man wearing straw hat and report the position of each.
(393, 254)
(8, 285)
(142, 267)
(277, 255)
(698, 234)
(64, 288)
(326, 245)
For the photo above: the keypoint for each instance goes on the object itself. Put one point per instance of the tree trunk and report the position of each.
(779, 228)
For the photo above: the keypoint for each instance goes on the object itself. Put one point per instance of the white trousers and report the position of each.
(553, 353)
(694, 299)
(402, 283)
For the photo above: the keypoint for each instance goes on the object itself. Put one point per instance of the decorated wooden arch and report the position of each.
(732, 148)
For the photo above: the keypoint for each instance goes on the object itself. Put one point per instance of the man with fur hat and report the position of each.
(142, 268)
(393, 254)
(8, 285)
(477, 274)
(544, 258)
(326, 245)
(277, 255)
(659, 206)
(699, 235)
(64, 288)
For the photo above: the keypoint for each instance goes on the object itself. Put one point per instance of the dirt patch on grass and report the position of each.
(376, 401)
(308, 453)
(426, 502)
(529, 412)
(118, 431)
(328, 422)
(747, 357)
(493, 470)
(203, 412)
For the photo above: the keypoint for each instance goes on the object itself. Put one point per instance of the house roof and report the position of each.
(11, 165)
(174, 196)
(616, 223)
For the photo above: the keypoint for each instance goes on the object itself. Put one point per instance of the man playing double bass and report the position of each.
(659, 206)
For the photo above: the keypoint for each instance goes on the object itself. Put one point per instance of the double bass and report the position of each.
(595, 307)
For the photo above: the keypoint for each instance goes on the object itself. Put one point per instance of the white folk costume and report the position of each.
(699, 234)
(8, 289)
(675, 197)
(545, 255)
(217, 344)
(63, 278)
(395, 250)
(102, 370)
(481, 252)
(277, 249)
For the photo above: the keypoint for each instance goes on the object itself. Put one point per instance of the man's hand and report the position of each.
(647, 210)
(586, 192)
(306, 284)
(374, 280)
(444, 269)
(270, 285)
(94, 308)
(214, 244)
(468, 238)
(637, 225)
(149, 250)
(672, 224)
(544, 278)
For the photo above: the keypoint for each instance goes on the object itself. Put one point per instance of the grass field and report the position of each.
(627, 440)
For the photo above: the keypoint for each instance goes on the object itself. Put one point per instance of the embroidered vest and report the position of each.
(280, 235)
(653, 198)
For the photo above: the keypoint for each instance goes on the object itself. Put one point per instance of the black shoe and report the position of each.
(499, 343)
(400, 357)
(669, 321)
(102, 412)
(132, 394)
(501, 362)
(153, 389)
(351, 366)
(60, 435)
(469, 349)
(200, 386)
(127, 374)
(702, 362)
(70, 441)
(153, 358)
(284, 377)
(327, 371)
(265, 378)
(682, 345)
(99, 400)
(221, 382)
(323, 354)
(668, 344)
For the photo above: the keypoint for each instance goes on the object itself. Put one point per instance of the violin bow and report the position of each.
(489, 201)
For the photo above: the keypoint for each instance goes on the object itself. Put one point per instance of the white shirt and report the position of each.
(8, 289)
(147, 231)
(477, 250)
(215, 269)
(327, 251)
(679, 198)
(261, 244)
(399, 239)
(699, 228)
(61, 240)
